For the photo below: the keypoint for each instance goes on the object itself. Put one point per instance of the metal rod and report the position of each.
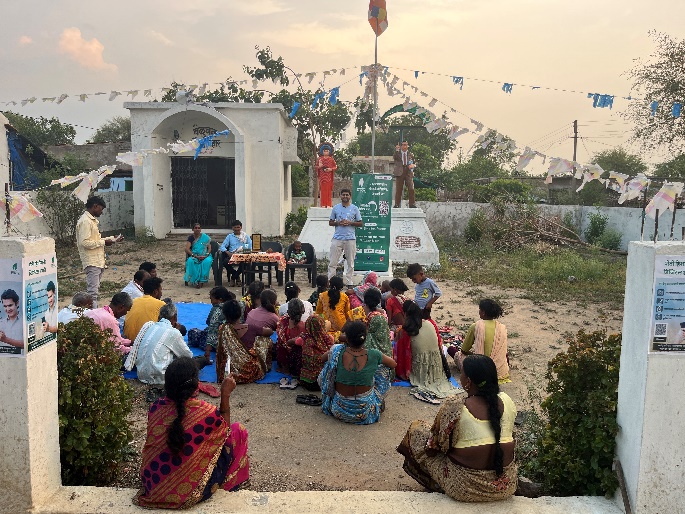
(675, 208)
(7, 207)
(375, 106)
(644, 206)
(656, 226)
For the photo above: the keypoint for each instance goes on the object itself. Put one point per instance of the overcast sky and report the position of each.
(50, 47)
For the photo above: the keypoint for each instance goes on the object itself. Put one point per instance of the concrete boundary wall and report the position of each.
(449, 219)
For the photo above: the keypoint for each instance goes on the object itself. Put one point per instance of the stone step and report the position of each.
(106, 500)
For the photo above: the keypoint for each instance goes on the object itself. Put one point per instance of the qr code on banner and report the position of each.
(660, 329)
(383, 208)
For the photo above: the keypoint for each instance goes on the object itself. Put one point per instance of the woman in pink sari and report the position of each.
(191, 448)
(357, 297)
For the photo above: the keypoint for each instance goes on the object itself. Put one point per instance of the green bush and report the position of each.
(577, 447)
(476, 226)
(94, 402)
(594, 231)
(610, 239)
(299, 180)
(512, 190)
(294, 221)
(569, 223)
(425, 194)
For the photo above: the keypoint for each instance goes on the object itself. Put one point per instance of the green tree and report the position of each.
(620, 161)
(478, 166)
(675, 168)
(42, 131)
(660, 79)
(113, 130)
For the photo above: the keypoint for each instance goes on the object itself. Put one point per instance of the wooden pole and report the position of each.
(656, 226)
(644, 207)
(675, 207)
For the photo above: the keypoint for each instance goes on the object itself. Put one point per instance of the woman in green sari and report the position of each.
(199, 261)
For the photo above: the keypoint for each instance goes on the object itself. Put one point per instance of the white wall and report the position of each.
(449, 219)
(651, 384)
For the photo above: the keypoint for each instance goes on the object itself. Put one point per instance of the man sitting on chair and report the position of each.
(236, 242)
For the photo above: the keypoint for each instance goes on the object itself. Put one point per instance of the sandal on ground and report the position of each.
(284, 381)
(426, 398)
(309, 399)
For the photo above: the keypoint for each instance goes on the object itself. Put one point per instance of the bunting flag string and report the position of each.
(664, 199)
(20, 207)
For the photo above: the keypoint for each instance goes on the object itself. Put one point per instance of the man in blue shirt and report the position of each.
(235, 242)
(345, 217)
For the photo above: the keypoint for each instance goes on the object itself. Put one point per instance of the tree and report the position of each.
(42, 131)
(113, 130)
(662, 80)
(620, 161)
(314, 123)
(675, 168)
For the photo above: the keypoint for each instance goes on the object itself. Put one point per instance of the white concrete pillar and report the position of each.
(29, 424)
(651, 415)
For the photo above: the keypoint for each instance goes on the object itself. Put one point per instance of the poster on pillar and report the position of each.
(668, 308)
(373, 195)
(12, 339)
(40, 300)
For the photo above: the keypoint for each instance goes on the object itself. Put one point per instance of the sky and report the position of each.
(54, 47)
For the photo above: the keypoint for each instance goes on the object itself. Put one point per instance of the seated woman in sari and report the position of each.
(370, 308)
(315, 343)
(179, 467)
(378, 338)
(427, 373)
(199, 261)
(353, 381)
(334, 305)
(251, 299)
(290, 327)
(248, 363)
(468, 453)
(487, 336)
(369, 282)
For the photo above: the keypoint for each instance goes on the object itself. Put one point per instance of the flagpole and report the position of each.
(375, 102)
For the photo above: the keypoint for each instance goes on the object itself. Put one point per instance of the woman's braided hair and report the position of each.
(335, 285)
(180, 383)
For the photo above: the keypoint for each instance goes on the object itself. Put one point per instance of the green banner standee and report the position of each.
(373, 195)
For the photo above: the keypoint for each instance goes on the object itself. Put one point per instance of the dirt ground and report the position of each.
(297, 447)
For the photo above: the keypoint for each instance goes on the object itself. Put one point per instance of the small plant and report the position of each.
(610, 239)
(570, 224)
(424, 194)
(294, 221)
(94, 402)
(476, 226)
(147, 238)
(61, 210)
(576, 449)
(598, 223)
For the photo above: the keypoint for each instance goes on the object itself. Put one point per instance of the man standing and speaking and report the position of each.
(91, 245)
(345, 217)
(404, 174)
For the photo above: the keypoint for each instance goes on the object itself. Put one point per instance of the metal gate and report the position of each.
(203, 191)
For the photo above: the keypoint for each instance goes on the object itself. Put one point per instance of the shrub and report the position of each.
(425, 194)
(294, 221)
(476, 226)
(512, 190)
(598, 222)
(61, 210)
(570, 224)
(610, 239)
(94, 401)
(577, 446)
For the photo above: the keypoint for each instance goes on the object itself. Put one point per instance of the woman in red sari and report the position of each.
(325, 169)
(192, 449)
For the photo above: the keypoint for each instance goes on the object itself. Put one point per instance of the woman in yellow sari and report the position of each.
(468, 453)
(334, 306)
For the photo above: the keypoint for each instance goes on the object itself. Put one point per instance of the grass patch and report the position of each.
(558, 274)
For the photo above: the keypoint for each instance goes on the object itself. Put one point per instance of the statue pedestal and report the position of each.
(410, 238)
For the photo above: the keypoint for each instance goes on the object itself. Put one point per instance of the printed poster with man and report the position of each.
(668, 309)
(40, 300)
(373, 196)
(12, 339)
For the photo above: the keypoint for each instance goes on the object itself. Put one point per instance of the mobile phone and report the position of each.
(227, 370)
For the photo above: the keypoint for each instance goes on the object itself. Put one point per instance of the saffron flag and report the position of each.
(378, 16)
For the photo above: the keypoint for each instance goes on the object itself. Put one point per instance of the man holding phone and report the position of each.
(91, 245)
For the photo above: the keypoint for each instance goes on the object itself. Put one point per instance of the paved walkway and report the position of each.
(102, 500)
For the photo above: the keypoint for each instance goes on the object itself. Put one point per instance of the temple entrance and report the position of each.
(203, 191)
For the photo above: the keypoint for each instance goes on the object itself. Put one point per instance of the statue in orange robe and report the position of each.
(325, 168)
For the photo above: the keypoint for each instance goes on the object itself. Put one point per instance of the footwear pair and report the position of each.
(288, 383)
(425, 397)
(309, 399)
